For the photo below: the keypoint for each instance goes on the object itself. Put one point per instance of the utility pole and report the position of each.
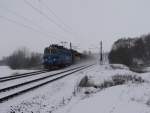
(101, 53)
(70, 45)
(71, 52)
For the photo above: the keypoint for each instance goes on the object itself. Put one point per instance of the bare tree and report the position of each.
(22, 58)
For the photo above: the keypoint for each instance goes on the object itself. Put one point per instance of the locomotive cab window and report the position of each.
(46, 51)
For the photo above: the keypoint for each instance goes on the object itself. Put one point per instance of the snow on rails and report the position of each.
(9, 91)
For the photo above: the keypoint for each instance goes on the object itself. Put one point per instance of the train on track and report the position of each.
(56, 56)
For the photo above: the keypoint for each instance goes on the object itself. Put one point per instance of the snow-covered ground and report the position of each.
(6, 71)
(65, 96)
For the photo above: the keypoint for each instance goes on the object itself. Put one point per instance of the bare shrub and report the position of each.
(22, 58)
(118, 66)
(148, 102)
(121, 79)
(84, 82)
(116, 80)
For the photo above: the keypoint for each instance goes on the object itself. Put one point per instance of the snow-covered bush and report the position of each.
(84, 82)
(115, 80)
(126, 78)
(121, 79)
(118, 66)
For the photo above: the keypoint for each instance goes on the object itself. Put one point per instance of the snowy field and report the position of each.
(106, 89)
(6, 71)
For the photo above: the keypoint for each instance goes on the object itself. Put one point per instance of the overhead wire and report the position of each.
(54, 14)
(24, 25)
(58, 18)
(28, 20)
(45, 15)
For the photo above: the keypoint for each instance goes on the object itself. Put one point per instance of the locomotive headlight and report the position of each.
(54, 59)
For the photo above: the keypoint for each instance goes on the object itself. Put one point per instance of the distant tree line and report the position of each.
(22, 58)
(131, 51)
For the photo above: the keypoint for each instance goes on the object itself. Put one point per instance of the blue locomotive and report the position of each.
(57, 56)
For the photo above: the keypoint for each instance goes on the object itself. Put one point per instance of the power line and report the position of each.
(25, 26)
(52, 12)
(43, 14)
(28, 20)
(57, 17)
(50, 19)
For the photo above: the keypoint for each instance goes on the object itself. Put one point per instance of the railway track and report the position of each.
(8, 78)
(21, 88)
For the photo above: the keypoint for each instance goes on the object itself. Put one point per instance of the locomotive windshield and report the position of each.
(50, 50)
(53, 50)
(46, 51)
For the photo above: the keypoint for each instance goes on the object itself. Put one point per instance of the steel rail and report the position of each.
(41, 84)
(36, 80)
(8, 78)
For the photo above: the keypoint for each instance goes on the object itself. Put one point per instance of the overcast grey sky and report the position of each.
(82, 22)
